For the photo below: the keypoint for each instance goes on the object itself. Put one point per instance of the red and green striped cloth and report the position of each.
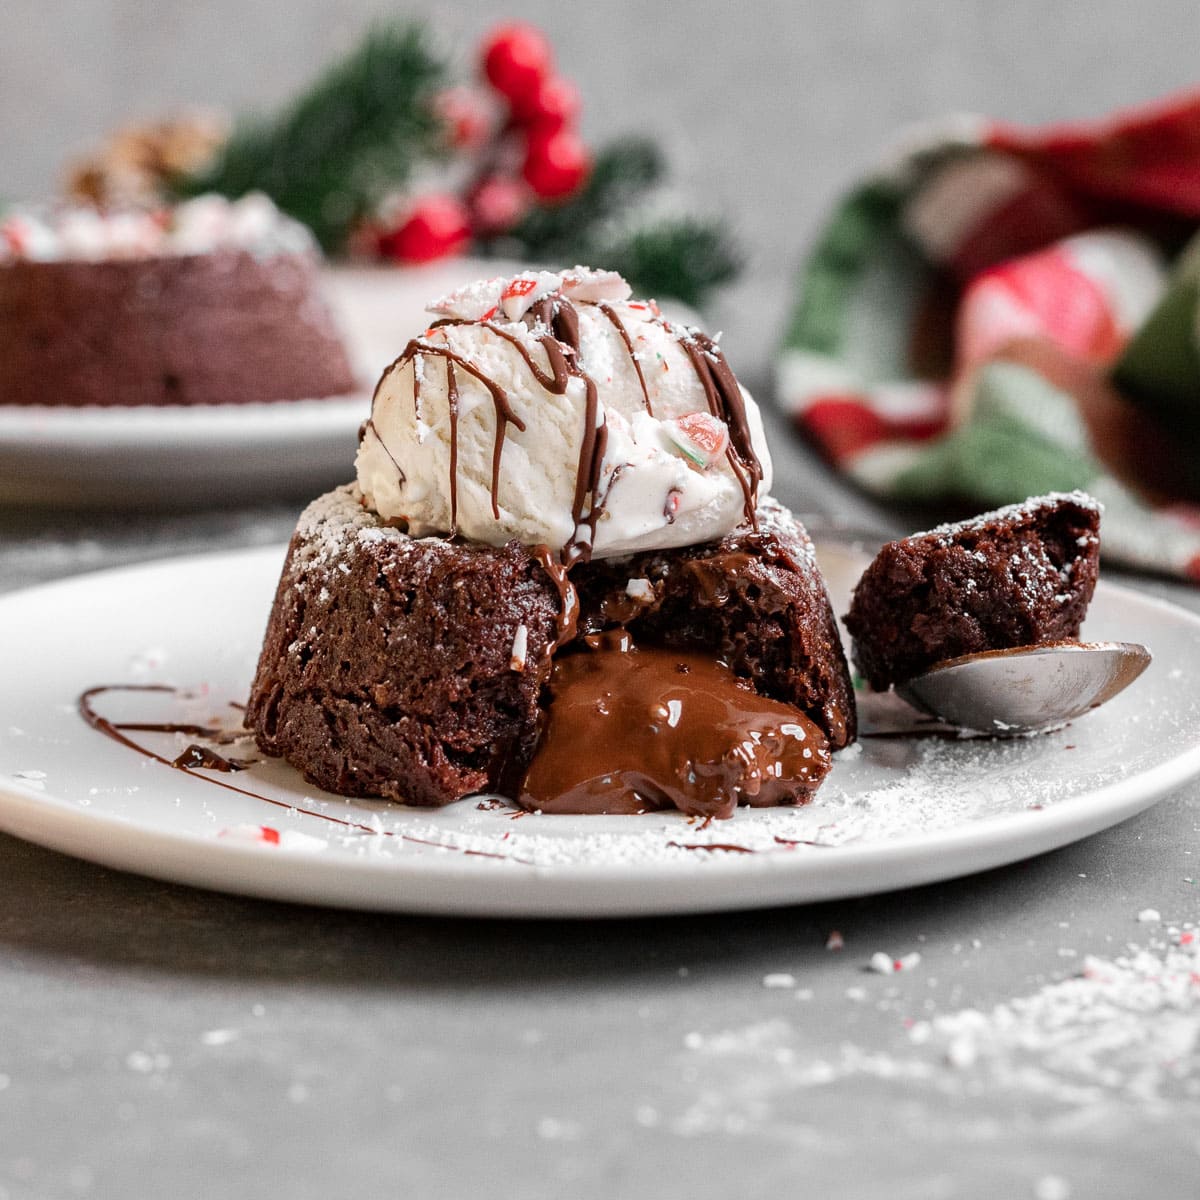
(1000, 312)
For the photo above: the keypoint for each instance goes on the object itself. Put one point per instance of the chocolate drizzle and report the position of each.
(505, 416)
(619, 325)
(118, 732)
(726, 402)
(452, 405)
(204, 756)
(369, 423)
(567, 621)
(555, 324)
(728, 847)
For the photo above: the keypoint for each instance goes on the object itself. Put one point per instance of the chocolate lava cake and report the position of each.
(1019, 576)
(416, 669)
(133, 319)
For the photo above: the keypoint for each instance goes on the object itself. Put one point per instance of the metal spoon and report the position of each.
(1009, 692)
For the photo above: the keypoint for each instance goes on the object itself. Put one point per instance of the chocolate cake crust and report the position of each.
(221, 328)
(1020, 576)
(413, 669)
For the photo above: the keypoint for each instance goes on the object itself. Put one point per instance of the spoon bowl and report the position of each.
(1027, 688)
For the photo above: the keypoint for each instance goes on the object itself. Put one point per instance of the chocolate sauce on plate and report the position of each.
(203, 756)
(186, 762)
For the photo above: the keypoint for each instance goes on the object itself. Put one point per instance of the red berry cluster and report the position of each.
(534, 154)
(543, 108)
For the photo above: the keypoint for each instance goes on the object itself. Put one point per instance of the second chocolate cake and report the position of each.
(211, 302)
(1019, 576)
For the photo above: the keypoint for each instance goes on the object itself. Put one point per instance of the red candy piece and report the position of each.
(252, 833)
(518, 287)
(705, 438)
(437, 226)
(516, 58)
(705, 430)
(556, 165)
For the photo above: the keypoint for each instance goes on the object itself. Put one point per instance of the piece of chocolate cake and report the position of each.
(217, 303)
(1019, 576)
(414, 669)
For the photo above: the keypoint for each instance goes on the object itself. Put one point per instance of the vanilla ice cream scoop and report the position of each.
(552, 409)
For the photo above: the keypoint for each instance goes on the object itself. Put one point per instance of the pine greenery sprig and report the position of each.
(684, 257)
(357, 134)
(623, 172)
(351, 138)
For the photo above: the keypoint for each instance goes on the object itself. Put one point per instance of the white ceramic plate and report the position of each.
(893, 813)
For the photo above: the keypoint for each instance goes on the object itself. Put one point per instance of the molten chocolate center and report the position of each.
(631, 729)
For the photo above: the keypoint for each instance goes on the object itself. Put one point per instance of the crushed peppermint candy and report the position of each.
(699, 436)
(515, 296)
(1129, 1027)
(520, 648)
(885, 964)
(268, 835)
(1111, 1046)
(779, 979)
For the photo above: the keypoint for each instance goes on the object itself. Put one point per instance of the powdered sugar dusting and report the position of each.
(1126, 1028)
(1111, 1049)
(1025, 510)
